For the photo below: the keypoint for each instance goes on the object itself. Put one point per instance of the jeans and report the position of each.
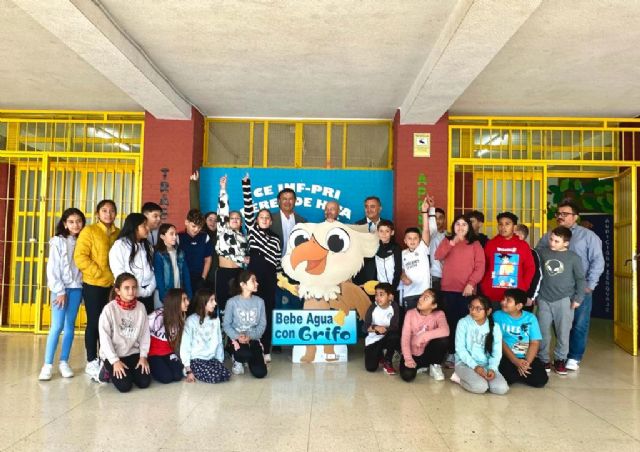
(63, 318)
(580, 328)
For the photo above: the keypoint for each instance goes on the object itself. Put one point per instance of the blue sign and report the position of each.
(313, 187)
(311, 327)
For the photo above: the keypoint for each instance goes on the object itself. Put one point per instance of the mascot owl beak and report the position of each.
(313, 254)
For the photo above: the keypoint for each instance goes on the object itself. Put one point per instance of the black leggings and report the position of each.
(456, 307)
(373, 352)
(132, 375)
(433, 354)
(252, 353)
(537, 378)
(267, 282)
(95, 299)
(224, 276)
(164, 369)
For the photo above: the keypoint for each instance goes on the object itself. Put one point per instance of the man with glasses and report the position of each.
(586, 244)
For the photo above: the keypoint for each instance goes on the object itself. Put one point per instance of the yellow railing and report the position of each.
(267, 143)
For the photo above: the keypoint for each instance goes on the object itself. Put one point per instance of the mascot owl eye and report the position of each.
(338, 240)
(298, 237)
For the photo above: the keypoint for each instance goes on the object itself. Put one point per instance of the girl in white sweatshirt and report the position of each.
(131, 253)
(124, 337)
(64, 280)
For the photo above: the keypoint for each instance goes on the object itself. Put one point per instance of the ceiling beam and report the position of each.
(87, 28)
(472, 36)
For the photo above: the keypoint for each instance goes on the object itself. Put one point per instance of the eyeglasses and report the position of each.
(563, 214)
(476, 308)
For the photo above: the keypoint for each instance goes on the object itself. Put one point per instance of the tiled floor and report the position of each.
(336, 407)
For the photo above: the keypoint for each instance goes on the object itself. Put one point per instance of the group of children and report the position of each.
(491, 340)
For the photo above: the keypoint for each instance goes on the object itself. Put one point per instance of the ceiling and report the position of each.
(329, 59)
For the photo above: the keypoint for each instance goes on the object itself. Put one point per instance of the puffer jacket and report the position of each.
(92, 253)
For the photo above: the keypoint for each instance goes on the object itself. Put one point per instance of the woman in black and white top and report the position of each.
(265, 255)
(231, 247)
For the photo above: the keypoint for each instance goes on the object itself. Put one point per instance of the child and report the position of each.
(520, 341)
(265, 253)
(381, 322)
(169, 265)
(416, 276)
(197, 248)
(561, 292)
(124, 337)
(232, 246)
(91, 255)
(244, 323)
(64, 280)
(388, 259)
(479, 350)
(201, 350)
(153, 214)
(424, 338)
(131, 254)
(165, 326)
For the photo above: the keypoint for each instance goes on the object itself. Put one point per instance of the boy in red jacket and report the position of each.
(509, 263)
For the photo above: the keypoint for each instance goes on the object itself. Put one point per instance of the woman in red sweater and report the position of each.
(463, 261)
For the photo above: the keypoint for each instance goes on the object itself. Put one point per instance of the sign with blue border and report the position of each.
(313, 187)
(313, 327)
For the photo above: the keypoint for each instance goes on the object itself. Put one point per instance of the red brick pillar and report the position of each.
(173, 149)
(415, 176)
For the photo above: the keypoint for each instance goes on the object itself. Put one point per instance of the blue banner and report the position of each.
(311, 327)
(603, 296)
(313, 187)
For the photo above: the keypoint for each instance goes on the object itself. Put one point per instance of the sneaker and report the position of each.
(267, 358)
(572, 364)
(435, 370)
(450, 361)
(103, 375)
(65, 369)
(92, 368)
(455, 378)
(45, 373)
(560, 366)
(422, 370)
(547, 367)
(238, 368)
(388, 368)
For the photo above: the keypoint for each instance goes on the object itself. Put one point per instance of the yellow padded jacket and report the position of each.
(92, 253)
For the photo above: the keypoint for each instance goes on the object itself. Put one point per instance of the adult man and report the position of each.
(588, 246)
(331, 211)
(372, 209)
(285, 219)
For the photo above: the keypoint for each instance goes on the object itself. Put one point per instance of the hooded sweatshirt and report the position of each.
(508, 264)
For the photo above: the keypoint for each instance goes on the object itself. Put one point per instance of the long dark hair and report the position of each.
(200, 300)
(173, 317)
(486, 305)
(128, 233)
(162, 230)
(471, 236)
(106, 201)
(234, 284)
(61, 229)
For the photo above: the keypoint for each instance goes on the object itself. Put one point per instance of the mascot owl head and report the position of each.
(323, 255)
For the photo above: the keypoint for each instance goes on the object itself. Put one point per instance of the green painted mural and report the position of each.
(591, 195)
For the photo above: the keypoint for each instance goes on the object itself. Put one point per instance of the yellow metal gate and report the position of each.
(47, 165)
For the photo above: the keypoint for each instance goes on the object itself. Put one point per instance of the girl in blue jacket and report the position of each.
(169, 265)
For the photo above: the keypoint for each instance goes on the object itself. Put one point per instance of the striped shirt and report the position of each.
(262, 241)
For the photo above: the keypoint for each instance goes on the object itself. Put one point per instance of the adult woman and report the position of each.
(462, 259)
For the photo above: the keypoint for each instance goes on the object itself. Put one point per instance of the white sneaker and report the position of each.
(455, 378)
(267, 358)
(45, 373)
(92, 368)
(422, 370)
(435, 370)
(572, 364)
(65, 369)
(238, 368)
